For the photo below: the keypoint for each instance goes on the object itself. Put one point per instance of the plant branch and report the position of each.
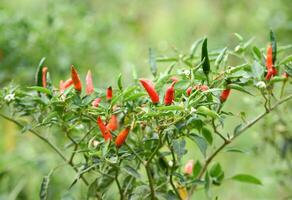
(247, 126)
(56, 149)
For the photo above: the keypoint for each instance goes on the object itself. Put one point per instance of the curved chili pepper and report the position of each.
(44, 76)
(89, 84)
(76, 80)
(113, 123)
(149, 87)
(104, 131)
(96, 102)
(109, 93)
(122, 136)
(224, 95)
(189, 91)
(269, 63)
(68, 83)
(169, 95)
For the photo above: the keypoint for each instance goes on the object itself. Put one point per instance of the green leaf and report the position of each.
(238, 87)
(195, 46)
(205, 57)
(179, 147)
(220, 57)
(247, 179)
(200, 141)
(197, 169)
(152, 62)
(234, 150)
(206, 111)
(165, 108)
(39, 72)
(45, 187)
(216, 170)
(131, 171)
(207, 135)
(92, 189)
(239, 37)
(257, 70)
(286, 60)
(40, 89)
(120, 85)
(274, 45)
(257, 53)
(237, 130)
(288, 69)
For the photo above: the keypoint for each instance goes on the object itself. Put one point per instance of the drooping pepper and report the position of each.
(96, 102)
(44, 76)
(113, 123)
(76, 80)
(109, 93)
(104, 131)
(224, 95)
(169, 95)
(122, 136)
(150, 89)
(89, 84)
(269, 63)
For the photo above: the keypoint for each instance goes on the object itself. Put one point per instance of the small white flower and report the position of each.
(170, 163)
(9, 97)
(261, 85)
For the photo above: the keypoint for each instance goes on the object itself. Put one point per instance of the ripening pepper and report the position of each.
(44, 76)
(188, 169)
(122, 136)
(109, 93)
(104, 131)
(189, 90)
(96, 102)
(89, 84)
(150, 89)
(76, 80)
(113, 123)
(169, 95)
(224, 95)
(271, 70)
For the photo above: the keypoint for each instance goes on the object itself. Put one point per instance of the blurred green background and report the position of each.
(113, 37)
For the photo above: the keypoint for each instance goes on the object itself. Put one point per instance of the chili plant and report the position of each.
(134, 137)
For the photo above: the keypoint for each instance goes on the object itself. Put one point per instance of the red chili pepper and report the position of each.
(109, 93)
(269, 63)
(122, 136)
(150, 89)
(104, 131)
(89, 84)
(189, 91)
(169, 95)
(76, 80)
(67, 83)
(113, 123)
(174, 79)
(96, 102)
(224, 95)
(44, 76)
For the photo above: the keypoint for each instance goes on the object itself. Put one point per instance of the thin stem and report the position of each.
(56, 149)
(150, 179)
(247, 126)
(217, 132)
(172, 169)
(119, 185)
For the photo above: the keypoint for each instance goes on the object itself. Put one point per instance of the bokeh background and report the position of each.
(113, 37)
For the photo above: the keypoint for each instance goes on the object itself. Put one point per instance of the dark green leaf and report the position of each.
(207, 135)
(179, 147)
(92, 189)
(216, 170)
(131, 171)
(206, 111)
(120, 85)
(257, 53)
(247, 179)
(197, 169)
(274, 45)
(38, 74)
(200, 141)
(205, 57)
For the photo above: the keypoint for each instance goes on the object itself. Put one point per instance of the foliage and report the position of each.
(149, 164)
